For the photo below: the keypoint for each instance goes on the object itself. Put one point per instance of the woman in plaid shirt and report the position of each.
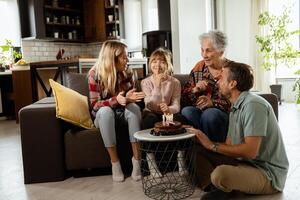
(112, 97)
(206, 109)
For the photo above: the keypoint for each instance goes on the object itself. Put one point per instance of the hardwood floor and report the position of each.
(102, 187)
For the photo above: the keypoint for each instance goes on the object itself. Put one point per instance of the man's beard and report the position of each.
(227, 95)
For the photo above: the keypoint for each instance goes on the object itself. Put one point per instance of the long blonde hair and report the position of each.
(105, 66)
(165, 55)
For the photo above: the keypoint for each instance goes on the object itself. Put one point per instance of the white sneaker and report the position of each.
(153, 168)
(136, 169)
(117, 173)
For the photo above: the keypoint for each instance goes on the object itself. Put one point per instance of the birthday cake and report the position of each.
(167, 127)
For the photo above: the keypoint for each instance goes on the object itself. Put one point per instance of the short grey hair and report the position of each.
(218, 39)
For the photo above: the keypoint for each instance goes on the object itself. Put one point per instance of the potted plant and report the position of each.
(8, 55)
(276, 47)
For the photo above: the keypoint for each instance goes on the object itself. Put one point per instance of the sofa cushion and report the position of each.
(183, 78)
(84, 149)
(77, 82)
(71, 106)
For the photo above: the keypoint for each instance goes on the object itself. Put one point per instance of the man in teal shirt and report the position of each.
(253, 158)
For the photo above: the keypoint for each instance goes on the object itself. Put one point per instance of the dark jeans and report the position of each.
(150, 118)
(212, 121)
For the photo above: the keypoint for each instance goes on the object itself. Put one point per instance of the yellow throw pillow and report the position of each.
(71, 106)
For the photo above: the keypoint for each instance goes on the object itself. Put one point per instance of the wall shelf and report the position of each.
(65, 21)
(64, 9)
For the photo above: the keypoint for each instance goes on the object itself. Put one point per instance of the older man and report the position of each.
(253, 158)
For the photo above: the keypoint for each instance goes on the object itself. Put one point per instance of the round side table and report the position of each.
(174, 174)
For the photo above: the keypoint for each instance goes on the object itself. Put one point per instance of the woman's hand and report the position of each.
(159, 78)
(121, 99)
(133, 96)
(164, 108)
(200, 86)
(202, 138)
(204, 102)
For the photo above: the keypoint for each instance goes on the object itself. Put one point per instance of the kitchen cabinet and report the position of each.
(72, 20)
(32, 19)
(114, 19)
(64, 20)
(94, 18)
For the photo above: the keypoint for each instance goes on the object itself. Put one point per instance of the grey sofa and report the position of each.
(53, 149)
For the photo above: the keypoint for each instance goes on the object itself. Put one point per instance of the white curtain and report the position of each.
(133, 24)
(9, 22)
(263, 78)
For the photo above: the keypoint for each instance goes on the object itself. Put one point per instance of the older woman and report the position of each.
(206, 109)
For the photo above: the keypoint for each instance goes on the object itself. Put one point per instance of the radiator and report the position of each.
(287, 93)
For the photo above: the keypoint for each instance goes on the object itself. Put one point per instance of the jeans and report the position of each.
(212, 121)
(105, 121)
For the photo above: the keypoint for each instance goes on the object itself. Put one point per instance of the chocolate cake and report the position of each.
(173, 128)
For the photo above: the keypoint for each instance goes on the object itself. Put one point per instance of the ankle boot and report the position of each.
(153, 168)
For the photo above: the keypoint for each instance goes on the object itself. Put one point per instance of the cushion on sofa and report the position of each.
(71, 106)
(77, 82)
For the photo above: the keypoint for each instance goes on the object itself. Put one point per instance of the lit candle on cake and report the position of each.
(163, 119)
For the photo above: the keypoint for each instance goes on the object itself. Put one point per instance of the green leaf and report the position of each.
(276, 48)
(297, 72)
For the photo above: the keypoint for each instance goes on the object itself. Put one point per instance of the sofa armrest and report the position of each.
(272, 99)
(42, 142)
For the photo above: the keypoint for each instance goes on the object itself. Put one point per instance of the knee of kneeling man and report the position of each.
(218, 175)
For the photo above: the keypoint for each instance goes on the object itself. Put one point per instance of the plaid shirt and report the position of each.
(98, 95)
(198, 73)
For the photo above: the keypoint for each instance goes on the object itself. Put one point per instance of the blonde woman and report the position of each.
(162, 95)
(112, 97)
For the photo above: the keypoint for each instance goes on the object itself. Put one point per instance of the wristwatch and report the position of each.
(214, 148)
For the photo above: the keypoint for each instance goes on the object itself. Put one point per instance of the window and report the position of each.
(9, 22)
(276, 7)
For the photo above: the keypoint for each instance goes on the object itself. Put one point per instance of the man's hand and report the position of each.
(202, 138)
(204, 102)
(121, 99)
(133, 96)
(164, 108)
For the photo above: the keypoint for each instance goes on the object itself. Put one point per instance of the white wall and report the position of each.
(149, 15)
(133, 24)
(188, 21)
(234, 18)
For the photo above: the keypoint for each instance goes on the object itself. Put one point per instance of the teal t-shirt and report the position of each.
(252, 115)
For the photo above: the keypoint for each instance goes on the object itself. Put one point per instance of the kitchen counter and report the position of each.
(62, 67)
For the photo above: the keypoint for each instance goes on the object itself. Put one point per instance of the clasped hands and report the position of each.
(131, 97)
(200, 86)
(204, 102)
